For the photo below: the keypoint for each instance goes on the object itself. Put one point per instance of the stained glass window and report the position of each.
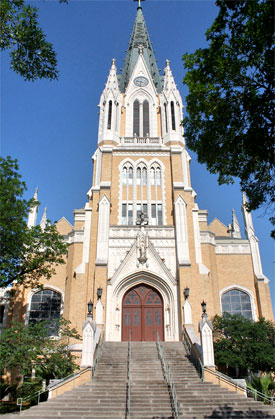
(46, 306)
(237, 302)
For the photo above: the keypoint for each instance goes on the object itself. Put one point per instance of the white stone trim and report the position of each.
(244, 289)
(181, 231)
(86, 240)
(207, 237)
(117, 290)
(232, 248)
(202, 268)
(103, 230)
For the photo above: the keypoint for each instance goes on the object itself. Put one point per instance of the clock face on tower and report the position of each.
(141, 81)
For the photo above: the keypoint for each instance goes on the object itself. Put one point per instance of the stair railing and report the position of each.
(250, 392)
(98, 353)
(194, 353)
(168, 378)
(20, 401)
(128, 384)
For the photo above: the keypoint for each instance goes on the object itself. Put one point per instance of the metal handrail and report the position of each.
(21, 400)
(257, 395)
(98, 353)
(194, 354)
(168, 378)
(128, 384)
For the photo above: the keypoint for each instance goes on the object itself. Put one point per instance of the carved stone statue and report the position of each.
(142, 244)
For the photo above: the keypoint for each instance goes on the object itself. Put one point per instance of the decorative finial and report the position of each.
(167, 63)
(113, 61)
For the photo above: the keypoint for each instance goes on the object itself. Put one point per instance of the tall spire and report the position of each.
(140, 39)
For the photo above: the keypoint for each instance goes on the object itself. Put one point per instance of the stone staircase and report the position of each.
(105, 396)
(199, 400)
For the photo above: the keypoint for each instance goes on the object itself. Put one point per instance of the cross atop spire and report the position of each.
(139, 2)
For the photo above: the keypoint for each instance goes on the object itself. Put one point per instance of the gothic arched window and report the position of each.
(236, 301)
(165, 112)
(46, 306)
(173, 116)
(158, 176)
(109, 115)
(136, 118)
(124, 176)
(144, 176)
(130, 176)
(146, 127)
(138, 176)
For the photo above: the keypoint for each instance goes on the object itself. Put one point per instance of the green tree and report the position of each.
(25, 347)
(244, 344)
(26, 254)
(264, 384)
(31, 55)
(230, 105)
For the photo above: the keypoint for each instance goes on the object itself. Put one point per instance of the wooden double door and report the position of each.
(142, 314)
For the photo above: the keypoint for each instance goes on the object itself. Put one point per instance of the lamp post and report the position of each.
(99, 293)
(186, 292)
(90, 308)
(203, 306)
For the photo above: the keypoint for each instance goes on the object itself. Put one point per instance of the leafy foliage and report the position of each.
(231, 98)
(26, 255)
(264, 384)
(31, 55)
(25, 347)
(240, 342)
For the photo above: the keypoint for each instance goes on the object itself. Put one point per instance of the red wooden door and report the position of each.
(142, 314)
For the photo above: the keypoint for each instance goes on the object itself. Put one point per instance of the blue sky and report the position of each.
(51, 127)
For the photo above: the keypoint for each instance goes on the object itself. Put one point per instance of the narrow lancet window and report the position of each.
(136, 118)
(144, 176)
(173, 116)
(165, 112)
(109, 115)
(146, 127)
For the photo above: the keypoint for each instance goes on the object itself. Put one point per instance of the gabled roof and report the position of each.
(139, 37)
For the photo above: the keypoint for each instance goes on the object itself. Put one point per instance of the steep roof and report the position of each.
(139, 37)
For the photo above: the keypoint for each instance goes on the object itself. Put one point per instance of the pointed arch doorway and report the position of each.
(142, 314)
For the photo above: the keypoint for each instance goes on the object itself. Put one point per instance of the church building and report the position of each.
(141, 249)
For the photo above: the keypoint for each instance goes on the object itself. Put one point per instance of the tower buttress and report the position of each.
(253, 240)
